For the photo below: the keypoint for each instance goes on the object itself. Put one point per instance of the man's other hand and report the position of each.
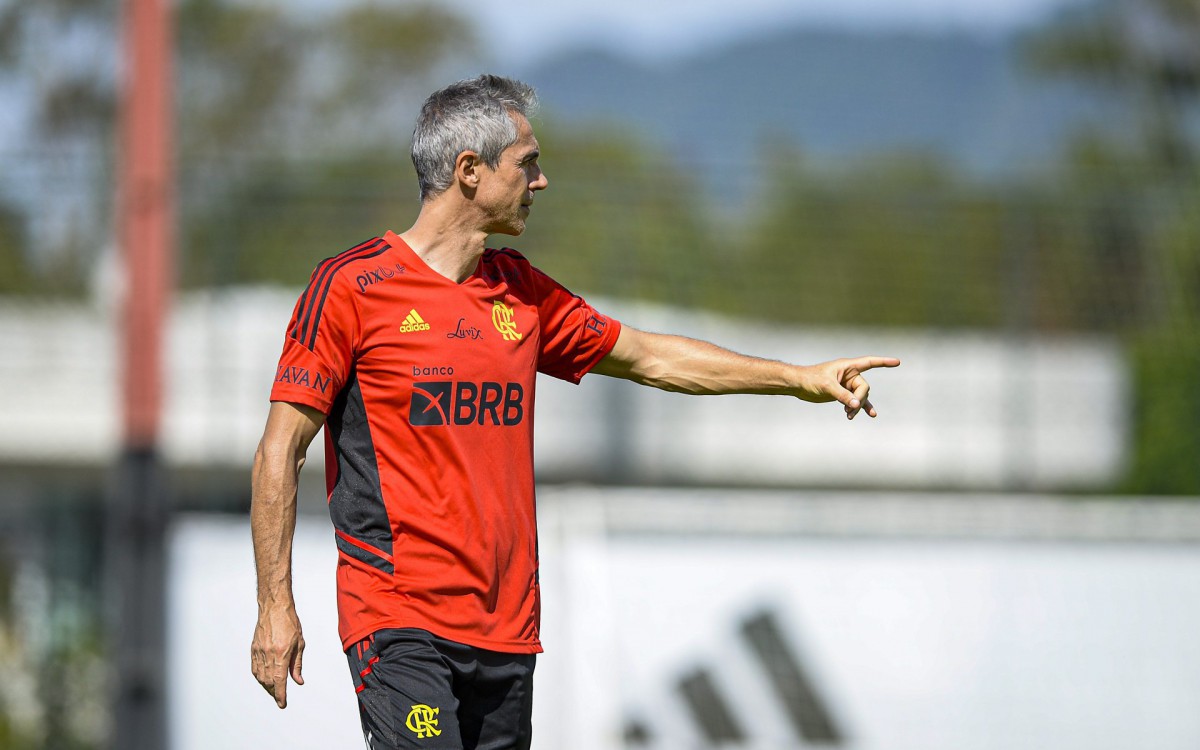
(277, 651)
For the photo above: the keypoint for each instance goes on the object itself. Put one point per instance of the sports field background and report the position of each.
(1007, 557)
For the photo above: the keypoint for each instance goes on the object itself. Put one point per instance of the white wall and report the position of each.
(964, 410)
(969, 623)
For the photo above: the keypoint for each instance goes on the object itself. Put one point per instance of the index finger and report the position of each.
(279, 677)
(862, 364)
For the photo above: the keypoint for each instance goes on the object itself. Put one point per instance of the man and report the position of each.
(418, 354)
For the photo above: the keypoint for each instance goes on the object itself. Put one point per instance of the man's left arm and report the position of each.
(684, 365)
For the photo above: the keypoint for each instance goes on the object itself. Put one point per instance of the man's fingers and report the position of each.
(297, 662)
(846, 397)
(866, 363)
(861, 389)
(279, 677)
(259, 669)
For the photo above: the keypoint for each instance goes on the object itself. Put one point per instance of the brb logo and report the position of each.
(461, 403)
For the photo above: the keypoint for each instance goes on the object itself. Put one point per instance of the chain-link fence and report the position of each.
(1058, 274)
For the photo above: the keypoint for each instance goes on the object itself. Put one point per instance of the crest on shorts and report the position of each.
(422, 720)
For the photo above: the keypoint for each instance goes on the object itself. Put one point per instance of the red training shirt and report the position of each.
(428, 388)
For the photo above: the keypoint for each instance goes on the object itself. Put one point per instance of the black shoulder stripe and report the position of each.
(318, 275)
(319, 285)
(311, 340)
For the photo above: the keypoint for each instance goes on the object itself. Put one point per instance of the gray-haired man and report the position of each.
(423, 377)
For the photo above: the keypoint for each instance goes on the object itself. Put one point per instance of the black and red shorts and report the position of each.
(416, 690)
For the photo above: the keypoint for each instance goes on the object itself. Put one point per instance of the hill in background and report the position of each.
(837, 95)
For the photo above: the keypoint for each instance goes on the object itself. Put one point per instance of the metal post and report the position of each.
(136, 534)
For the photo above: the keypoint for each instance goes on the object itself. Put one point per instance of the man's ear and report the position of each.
(466, 169)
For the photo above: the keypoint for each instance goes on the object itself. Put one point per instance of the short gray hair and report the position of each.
(472, 115)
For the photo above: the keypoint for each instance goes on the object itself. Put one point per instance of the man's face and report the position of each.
(506, 193)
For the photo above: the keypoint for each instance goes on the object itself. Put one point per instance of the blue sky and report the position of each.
(663, 28)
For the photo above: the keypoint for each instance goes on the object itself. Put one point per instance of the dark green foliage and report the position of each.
(619, 220)
(1166, 369)
(50, 626)
(1141, 224)
(291, 151)
(273, 110)
(14, 267)
(275, 226)
(892, 243)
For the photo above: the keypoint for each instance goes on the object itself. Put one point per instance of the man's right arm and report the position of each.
(278, 645)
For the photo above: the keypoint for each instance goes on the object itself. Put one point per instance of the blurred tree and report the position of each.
(889, 242)
(1145, 50)
(50, 627)
(73, 79)
(258, 87)
(237, 67)
(616, 221)
(1166, 359)
(1140, 238)
(14, 268)
(255, 79)
(289, 129)
(621, 220)
(279, 220)
(57, 73)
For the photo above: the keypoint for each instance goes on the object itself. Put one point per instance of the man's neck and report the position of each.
(447, 242)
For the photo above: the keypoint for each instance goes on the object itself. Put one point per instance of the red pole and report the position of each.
(146, 213)
(141, 505)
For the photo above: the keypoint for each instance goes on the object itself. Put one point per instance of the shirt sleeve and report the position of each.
(318, 351)
(575, 337)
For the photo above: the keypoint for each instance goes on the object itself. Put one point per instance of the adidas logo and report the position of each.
(413, 323)
(719, 721)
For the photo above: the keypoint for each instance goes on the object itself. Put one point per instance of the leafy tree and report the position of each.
(14, 270)
(889, 242)
(74, 82)
(257, 87)
(57, 52)
(289, 130)
(278, 221)
(1145, 51)
(1141, 232)
(620, 220)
